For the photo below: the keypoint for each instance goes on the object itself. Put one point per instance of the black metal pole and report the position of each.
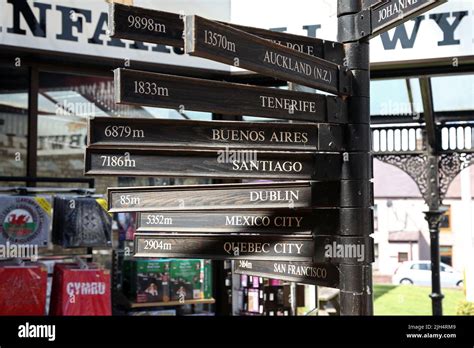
(431, 138)
(434, 218)
(32, 143)
(356, 296)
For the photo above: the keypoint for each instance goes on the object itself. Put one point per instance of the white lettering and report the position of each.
(288, 104)
(86, 288)
(37, 331)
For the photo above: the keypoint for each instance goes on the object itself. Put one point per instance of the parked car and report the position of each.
(419, 273)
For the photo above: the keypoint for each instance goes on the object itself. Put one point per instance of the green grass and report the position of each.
(412, 300)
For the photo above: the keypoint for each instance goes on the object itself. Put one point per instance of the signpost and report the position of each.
(314, 232)
(284, 195)
(392, 13)
(378, 16)
(185, 93)
(322, 274)
(216, 164)
(319, 221)
(332, 249)
(222, 43)
(230, 247)
(265, 222)
(142, 24)
(119, 131)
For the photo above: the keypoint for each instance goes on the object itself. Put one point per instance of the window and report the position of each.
(65, 102)
(13, 120)
(401, 97)
(445, 224)
(447, 98)
(446, 253)
(402, 257)
(421, 266)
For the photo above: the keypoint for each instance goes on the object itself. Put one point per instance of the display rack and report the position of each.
(24, 190)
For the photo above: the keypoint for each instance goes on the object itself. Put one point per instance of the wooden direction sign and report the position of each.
(391, 13)
(185, 93)
(330, 221)
(254, 196)
(225, 44)
(323, 274)
(141, 24)
(245, 164)
(266, 222)
(248, 247)
(227, 163)
(215, 134)
(296, 248)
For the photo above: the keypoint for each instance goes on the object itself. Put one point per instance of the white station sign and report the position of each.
(79, 27)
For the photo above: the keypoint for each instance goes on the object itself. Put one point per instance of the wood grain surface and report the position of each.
(228, 45)
(190, 134)
(185, 93)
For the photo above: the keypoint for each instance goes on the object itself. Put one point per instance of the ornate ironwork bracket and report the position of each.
(415, 165)
(450, 165)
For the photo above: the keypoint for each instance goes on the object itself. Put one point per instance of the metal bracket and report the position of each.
(357, 166)
(334, 52)
(357, 55)
(361, 81)
(354, 221)
(354, 27)
(358, 137)
(337, 110)
(350, 193)
(359, 108)
(345, 80)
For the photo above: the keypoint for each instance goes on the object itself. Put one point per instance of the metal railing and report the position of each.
(410, 139)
